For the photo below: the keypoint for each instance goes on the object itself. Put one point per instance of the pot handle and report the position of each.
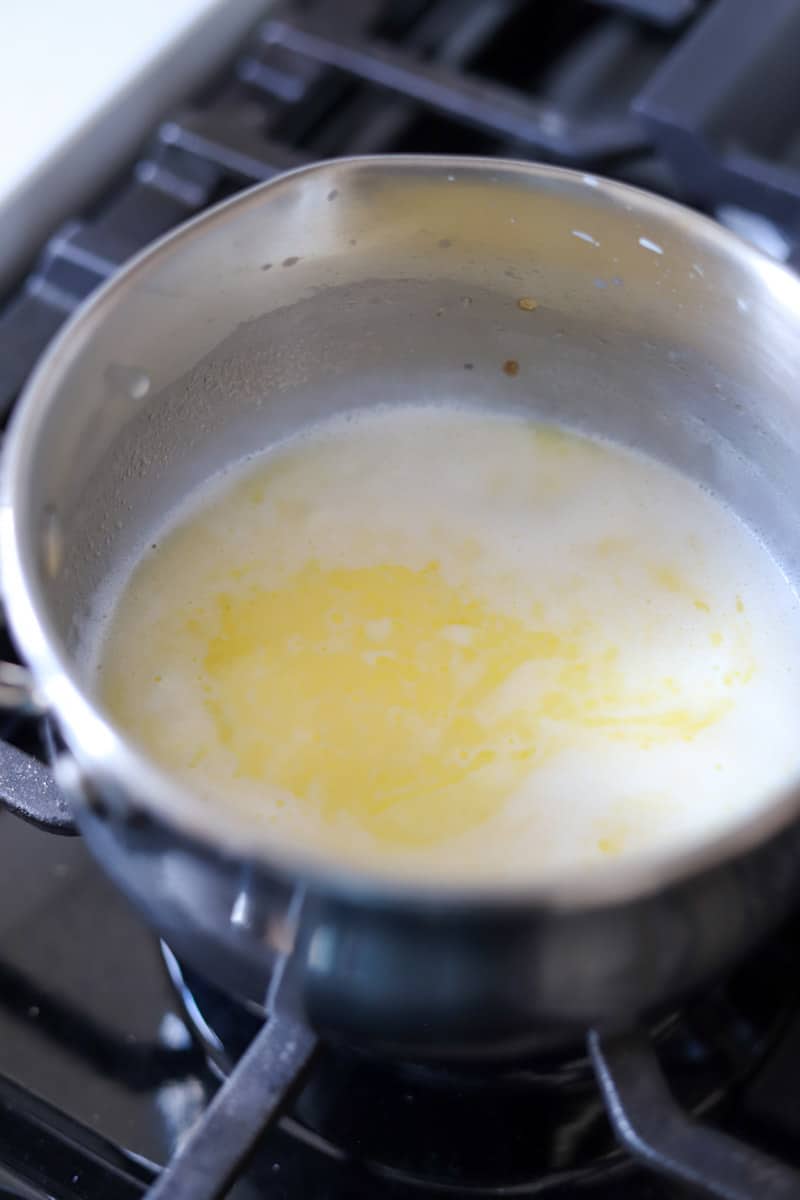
(28, 789)
(653, 1129)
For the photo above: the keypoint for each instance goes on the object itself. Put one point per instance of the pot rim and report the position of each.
(111, 759)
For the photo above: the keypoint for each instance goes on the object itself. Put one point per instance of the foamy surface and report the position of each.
(447, 641)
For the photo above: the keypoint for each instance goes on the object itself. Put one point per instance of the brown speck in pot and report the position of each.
(352, 242)
(511, 367)
(289, 262)
(527, 304)
(445, 243)
(333, 194)
(469, 366)
(440, 312)
(265, 266)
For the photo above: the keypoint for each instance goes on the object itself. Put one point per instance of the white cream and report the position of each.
(640, 643)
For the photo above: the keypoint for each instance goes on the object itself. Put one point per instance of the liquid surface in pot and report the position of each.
(444, 640)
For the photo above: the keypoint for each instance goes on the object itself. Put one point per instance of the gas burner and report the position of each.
(533, 1126)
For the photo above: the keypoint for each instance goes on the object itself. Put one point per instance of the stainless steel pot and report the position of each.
(384, 279)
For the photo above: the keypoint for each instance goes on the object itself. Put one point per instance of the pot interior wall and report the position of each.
(405, 286)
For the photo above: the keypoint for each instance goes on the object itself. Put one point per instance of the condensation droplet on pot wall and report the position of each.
(52, 541)
(130, 381)
(585, 237)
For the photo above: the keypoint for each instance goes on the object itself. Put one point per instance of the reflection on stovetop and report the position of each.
(106, 1057)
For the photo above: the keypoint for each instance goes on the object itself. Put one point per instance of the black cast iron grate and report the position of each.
(534, 1127)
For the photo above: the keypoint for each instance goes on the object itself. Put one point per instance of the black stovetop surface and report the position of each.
(99, 1072)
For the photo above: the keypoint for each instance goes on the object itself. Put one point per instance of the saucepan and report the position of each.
(390, 279)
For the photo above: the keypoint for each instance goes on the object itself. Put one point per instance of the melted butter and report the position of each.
(374, 692)
(488, 663)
